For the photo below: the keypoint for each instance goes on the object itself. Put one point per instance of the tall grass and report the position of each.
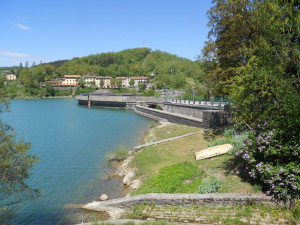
(118, 155)
(234, 136)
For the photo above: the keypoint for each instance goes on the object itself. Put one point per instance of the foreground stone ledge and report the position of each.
(184, 200)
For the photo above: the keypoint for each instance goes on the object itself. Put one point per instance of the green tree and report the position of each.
(269, 83)
(231, 31)
(118, 83)
(101, 83)
(131, 82)
(15, 165)
(266, 95)
(113, 82)
(81, 82)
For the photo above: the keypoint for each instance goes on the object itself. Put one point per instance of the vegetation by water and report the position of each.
(154, 162)
(171, 168)
(16, 163)
(119, 154)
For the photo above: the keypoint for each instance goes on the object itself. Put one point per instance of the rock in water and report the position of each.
(103, 197)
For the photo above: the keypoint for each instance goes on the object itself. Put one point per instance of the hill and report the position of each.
(165, 70)
(170, 70)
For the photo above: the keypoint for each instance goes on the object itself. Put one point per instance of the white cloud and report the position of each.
(21, 26)
(13, 54)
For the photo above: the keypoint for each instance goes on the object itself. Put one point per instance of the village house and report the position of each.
(55, 83)
(89, 80)
(98, 81)
(125, 81)
(11, 77)
(139, 80)
(70, 80)
(103, 82)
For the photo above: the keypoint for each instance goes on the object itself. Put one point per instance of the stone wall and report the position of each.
(171, 117)
(209, 118)
(185, 200)
(107, 104)
(189, 110)
(213, 118)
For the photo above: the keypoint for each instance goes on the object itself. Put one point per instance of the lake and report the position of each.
(71, 142)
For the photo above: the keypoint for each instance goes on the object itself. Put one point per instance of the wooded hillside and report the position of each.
(168, 71)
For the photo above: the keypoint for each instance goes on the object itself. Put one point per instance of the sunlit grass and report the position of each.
(151, 159)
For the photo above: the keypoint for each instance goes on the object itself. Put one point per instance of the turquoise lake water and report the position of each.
(71, 142)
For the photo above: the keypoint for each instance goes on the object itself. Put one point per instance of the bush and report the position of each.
(272, 160)
(210, 186)
(217, 142)
(235, 136)
(62, 92)
(119, 155)
(85, 90)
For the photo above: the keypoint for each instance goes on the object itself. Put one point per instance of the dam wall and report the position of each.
(205, 116)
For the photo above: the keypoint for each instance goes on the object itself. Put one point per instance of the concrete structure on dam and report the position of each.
(191, 113)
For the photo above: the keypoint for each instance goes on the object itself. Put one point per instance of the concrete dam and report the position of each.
(202, 114)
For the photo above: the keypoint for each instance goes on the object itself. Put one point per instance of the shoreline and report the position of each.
(127, 174)
(49, 97)
(119, 171)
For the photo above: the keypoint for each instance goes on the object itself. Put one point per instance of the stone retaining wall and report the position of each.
(215, 118)
(185, 200)
(189, 110)
(209, 118)
(171, 117)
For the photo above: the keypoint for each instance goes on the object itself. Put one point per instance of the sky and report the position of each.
(50, 30)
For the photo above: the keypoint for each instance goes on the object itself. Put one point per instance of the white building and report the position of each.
(139, 80)
(98, 81)
(125, 81)
(11, 77)
(70, 80)
(89, 80)
(103, 82)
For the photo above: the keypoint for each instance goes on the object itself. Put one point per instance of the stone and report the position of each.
(136, 184)
(127, 179)
(103, 197)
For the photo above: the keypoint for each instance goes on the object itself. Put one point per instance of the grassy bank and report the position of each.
(170, 167)
(162, 167)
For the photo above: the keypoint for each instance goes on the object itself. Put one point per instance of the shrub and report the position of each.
(119, 155)
(210, 186)
(85, 90)
(217, 142)
(272, 160)
(234, 136)
(62, 92)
